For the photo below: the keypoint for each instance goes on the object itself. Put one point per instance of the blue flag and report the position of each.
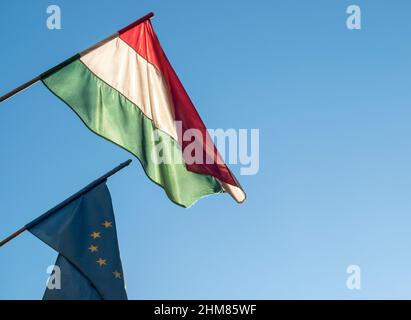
(83, 232)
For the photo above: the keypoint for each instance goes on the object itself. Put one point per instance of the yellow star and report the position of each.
(93, 248)
(95, 235)
(108, 224)
(101, 262)
(117, 274)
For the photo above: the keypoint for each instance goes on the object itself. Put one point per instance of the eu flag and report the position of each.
(83, 232)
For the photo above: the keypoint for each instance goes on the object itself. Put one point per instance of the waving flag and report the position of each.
(126, 91)
(83, 232)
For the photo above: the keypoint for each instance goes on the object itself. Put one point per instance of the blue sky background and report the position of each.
(333, 107)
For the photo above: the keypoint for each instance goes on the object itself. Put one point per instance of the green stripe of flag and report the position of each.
(109, 114)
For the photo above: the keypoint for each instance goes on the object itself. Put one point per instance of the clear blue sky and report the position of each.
(333, 107)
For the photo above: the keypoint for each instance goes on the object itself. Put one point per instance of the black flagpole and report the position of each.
(75, 196)
(69, 60)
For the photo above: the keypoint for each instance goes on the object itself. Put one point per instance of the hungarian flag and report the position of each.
(126, 91)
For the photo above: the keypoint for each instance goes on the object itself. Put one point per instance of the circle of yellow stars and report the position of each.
(94, 248)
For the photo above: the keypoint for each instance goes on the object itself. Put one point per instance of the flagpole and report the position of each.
(75, 196)
(75, 57)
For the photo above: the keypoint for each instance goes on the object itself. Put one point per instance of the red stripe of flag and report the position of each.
(143, 39)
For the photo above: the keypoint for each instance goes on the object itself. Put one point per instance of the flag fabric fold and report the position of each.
(84, 234)
(127, 92)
